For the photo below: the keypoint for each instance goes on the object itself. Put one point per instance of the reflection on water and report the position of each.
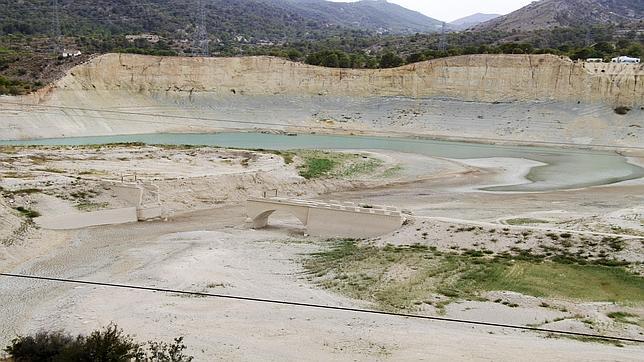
(565, 169)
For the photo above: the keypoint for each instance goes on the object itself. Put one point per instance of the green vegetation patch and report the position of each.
(316, 167)
(403, 277)
(319, 164)
(107, 344)
(525, 221)
(624, 317)
(550, 279)
(29, 213)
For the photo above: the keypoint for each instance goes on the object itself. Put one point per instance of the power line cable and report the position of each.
(320, 306)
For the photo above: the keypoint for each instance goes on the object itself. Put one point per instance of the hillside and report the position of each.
(503, 94)
(252, 20)
(488, 78)
(549, 14)
(472, 20)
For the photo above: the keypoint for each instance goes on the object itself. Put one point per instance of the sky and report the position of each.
(450, 10)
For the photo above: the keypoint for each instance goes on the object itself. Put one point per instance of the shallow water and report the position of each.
(565, 169)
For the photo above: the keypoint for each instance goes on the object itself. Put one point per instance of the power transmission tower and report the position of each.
(200, 47)
(442, 42)
(589, 38)
(55, 28)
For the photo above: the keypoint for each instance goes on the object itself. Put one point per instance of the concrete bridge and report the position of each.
(328, 219)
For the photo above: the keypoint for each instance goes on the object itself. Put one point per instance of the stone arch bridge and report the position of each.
(328, 219)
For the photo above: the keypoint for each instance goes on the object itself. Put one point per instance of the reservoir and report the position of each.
(563, 169)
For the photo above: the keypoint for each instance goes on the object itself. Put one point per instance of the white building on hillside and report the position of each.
(625, 59)
(71, 53)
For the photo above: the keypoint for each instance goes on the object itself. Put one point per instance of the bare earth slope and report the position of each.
(510, 97)
(486, 78)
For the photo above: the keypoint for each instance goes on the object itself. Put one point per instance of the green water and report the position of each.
(565, 169)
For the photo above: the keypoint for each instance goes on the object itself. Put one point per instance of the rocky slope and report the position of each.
(488, 78)
(472, 20)
(548, 14)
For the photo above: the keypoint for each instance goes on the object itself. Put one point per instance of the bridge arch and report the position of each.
(259, 213)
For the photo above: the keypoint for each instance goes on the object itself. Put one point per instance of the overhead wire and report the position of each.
(321, 306)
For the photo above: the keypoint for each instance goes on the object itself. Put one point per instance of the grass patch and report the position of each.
(50, 170)
(525, 221)
(91, 206)
(29, 213)
(551, 279)
(624, 317)
(361, 168)
(316, 168)
(319, 164)
(392, 171)
(402, 278)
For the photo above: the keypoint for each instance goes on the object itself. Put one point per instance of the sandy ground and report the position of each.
(208, 251)
(213, 250)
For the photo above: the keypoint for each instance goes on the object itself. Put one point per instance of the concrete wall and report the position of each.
(149, 213)
(87, 219)
(344, 224)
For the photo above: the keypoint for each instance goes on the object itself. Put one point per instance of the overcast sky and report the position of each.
(449, 10)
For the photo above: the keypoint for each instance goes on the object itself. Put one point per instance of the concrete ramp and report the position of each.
(329, 219)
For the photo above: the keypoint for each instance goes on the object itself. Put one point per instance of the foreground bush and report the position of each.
(107, 344)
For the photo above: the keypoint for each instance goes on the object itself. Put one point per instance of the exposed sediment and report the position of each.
(488, 78)
(525, 98)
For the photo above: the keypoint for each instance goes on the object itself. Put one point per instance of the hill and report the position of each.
(274, 20)
(549, 14)
(472, 20)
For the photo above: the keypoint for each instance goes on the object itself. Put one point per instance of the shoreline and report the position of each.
(625, 151)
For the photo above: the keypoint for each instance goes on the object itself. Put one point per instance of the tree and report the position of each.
(415, 58)
(390, 60)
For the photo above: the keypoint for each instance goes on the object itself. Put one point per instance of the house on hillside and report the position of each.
(71, 53)
(625, 59)
(594, 60)
(150, 38)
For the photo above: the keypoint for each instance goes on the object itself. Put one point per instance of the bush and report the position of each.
(106, 344)
(622, 110)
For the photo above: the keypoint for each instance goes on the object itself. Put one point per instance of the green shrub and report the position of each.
(106, 344)
(28, 212)
(622, 110)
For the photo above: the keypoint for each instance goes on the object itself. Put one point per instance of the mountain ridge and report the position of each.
(550, 14)
(472, 20)
(274, 20)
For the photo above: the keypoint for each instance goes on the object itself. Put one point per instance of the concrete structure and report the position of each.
(132, 193)
(87, 219)
(328, 219)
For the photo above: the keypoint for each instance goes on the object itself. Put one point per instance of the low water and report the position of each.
(565, 169)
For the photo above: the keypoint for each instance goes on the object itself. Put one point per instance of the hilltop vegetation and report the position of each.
(370, 34)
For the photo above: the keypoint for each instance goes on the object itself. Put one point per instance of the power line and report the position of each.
(320, 306)
(201, 33)
(56, 30)
(312, 127)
